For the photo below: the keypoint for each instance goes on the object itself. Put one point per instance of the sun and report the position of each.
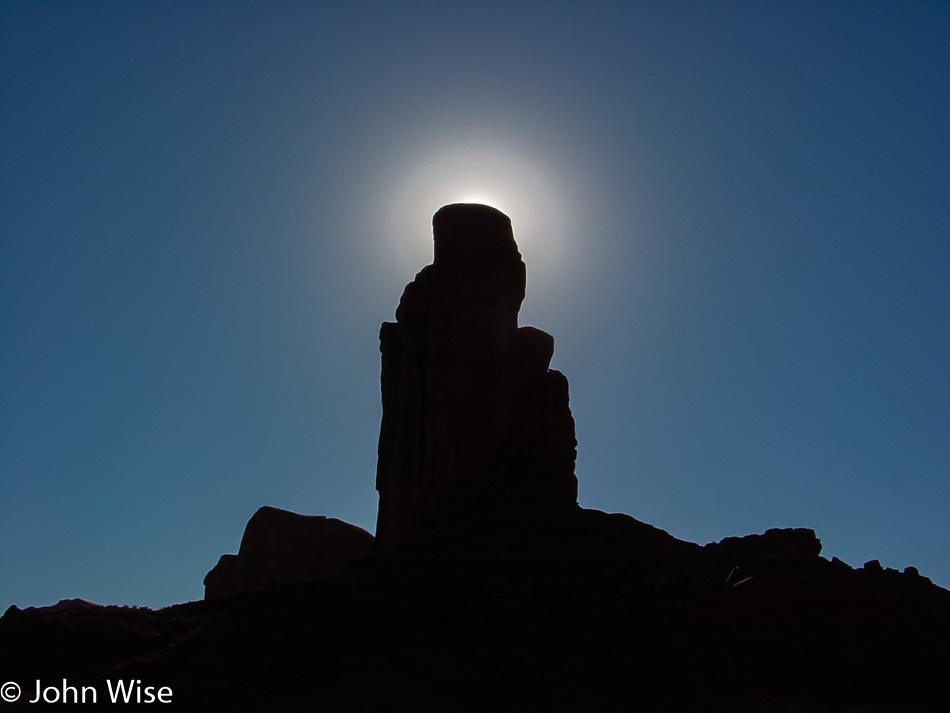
(490, 173)
(540, 184)
(480, 198)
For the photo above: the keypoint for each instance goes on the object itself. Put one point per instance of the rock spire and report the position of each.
(476, 430)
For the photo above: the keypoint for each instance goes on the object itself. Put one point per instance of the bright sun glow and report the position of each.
(482, 198)
(504, 177)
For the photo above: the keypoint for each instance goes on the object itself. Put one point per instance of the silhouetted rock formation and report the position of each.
(280, 546)
(507, 595)
(476, 428)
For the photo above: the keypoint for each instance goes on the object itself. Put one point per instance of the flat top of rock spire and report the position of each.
(467, 212)
(464, 230)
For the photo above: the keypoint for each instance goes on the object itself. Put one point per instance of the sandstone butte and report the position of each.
(486, 586)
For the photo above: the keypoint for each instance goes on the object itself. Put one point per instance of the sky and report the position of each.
(735, 218)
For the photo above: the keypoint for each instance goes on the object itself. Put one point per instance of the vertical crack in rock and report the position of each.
(476, 430)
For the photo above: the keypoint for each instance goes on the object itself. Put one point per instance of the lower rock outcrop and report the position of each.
(281, 546)
(759, 624)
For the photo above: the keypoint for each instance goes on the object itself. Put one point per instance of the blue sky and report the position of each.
(735, 216)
